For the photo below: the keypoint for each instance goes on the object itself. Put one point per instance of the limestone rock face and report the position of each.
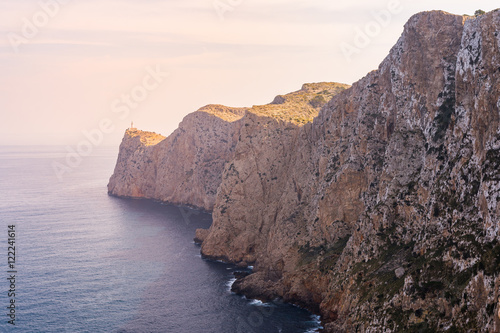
(186, 167)
(257, 174)
(400, 171)
(200, 235)
(382, 213)
(134, 170)
(191, 160)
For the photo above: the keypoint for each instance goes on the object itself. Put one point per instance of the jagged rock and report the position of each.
(278, 100)
(402, 170)
(200, 235)
(185, 168)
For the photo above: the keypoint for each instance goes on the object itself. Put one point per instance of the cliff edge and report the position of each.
(186, 167)
(382, 213)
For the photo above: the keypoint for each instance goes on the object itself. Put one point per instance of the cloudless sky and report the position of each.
(73, 69)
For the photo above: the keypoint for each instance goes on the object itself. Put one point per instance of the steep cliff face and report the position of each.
(134, 168)
(186, 168)
(382, 214)
(191, 160)
(256, 176)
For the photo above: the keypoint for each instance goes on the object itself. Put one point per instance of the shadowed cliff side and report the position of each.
(382, 215)
(186, 168)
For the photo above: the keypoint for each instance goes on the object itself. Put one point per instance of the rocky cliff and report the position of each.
(382, 214)
(186, 168)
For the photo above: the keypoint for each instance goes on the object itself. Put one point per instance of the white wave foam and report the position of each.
(229, 283)
(317, 320)
(256, 302)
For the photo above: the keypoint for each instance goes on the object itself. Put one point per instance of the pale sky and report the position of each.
(65, 66)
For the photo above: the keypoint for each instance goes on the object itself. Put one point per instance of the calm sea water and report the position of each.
(87, 262)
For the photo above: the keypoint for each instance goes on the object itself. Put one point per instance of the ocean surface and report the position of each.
(88, 262)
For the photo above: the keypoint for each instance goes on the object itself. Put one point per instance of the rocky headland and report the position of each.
(186, 167)
(380, 212)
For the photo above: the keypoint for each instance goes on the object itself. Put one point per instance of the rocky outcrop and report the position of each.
(382, 214)
(399, 173)
(134, 170)
(186, 168)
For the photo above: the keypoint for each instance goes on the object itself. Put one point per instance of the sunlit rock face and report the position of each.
(186, 167)
(380, 212)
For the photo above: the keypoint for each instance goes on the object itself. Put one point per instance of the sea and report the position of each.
(83, 261)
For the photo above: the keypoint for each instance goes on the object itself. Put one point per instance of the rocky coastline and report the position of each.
(376, 206)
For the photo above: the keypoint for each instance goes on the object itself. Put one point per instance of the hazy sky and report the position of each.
(68, 66)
